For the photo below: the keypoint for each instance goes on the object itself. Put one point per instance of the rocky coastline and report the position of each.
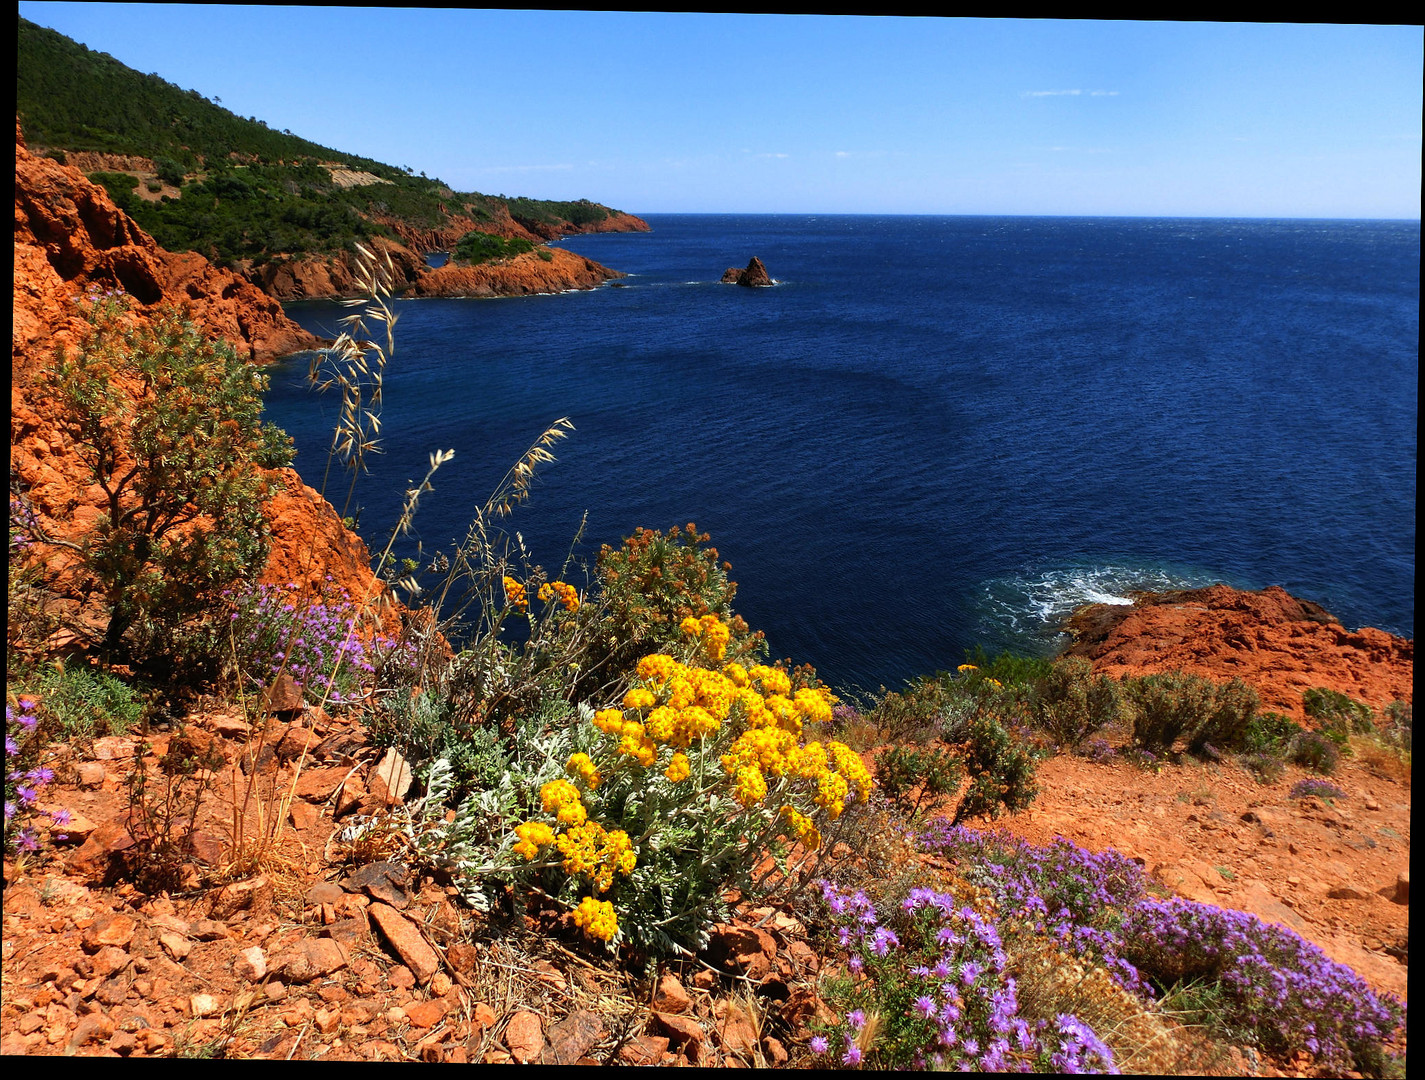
(1271, 640)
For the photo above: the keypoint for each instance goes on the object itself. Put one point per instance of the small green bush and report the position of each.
(480, 247)
(913, 715)
(1269, 733)
(1009, 669)
(1071, 704)
(900, 769)
(1336, 712)
(1000, 765)
(169, 171)
(1315, 751)
(1175, 705)
(167, 424)
(545, 254)
(86, 702)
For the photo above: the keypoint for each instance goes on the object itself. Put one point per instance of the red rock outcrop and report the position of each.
(317, 277)
(68, 236)
(522, 275)
(1272, 641)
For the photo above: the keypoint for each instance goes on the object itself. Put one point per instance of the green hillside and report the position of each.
(227, 186)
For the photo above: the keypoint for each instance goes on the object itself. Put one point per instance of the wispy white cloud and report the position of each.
(1068, 93)
(523, 168)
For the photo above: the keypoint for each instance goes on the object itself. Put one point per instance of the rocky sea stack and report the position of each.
(755, 274)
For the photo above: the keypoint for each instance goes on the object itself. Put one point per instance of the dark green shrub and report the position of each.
(168, 426)
(1174, 704)
(900, 769)
(1011, 670)
(1313, 750)
(913, 715)
(479, 247)
(115, 182)
(545, 254)
(1165, 706)
(646, 587)
(1336, 712)
(1000, 766)
(1234, 704)
(1269, 733)
(169, 171)
(1070, 703)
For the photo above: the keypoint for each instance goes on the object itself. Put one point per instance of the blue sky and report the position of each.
(670, 112)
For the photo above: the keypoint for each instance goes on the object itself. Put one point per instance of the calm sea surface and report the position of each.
(936, 432)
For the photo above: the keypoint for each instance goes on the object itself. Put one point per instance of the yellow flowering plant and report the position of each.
(642, 815)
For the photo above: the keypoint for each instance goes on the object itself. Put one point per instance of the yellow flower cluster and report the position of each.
(965, 669)
(679, 768)
(802, 826)
(561, 798)
(714, 633)
(533, 835)
(582, 766)
(595, 853)
(596, 918)
(567, 594)
(514, 594)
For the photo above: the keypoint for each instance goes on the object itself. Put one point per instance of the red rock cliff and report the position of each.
(1272, 641)
(69, 235)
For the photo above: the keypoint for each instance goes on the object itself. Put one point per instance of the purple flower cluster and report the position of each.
(1098, 750)
(1322, 789)
(23, 525)
(1075, 896)
(23, 786)
(1281, 989)
(276, 628)
(1080, 1050)
(933, 971)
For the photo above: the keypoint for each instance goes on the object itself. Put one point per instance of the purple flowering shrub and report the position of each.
(1322, 789)
(1278, 990)
(278, 628)
(24, 777)
(933, 982)
(1076, 897)
(927, 988)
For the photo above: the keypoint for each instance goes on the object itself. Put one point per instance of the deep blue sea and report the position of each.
(936, 432)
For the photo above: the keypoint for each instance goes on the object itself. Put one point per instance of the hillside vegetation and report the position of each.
(200, 178)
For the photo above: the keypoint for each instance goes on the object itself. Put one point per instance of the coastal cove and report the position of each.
(935, 432)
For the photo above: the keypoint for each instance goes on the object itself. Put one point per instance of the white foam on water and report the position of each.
(1025, 611)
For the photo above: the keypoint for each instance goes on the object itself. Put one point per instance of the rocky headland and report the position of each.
(326, 276)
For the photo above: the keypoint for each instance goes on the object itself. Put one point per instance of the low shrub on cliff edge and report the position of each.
(1174, 705)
